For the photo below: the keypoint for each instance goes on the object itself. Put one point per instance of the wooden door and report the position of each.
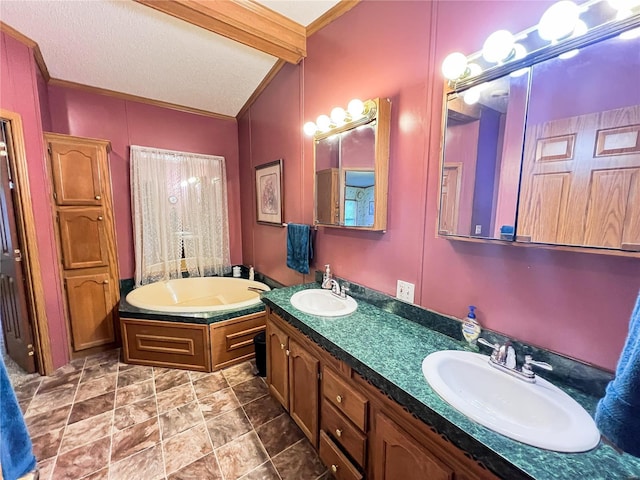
(14, 314)
(327, 197)
(304, 369)
(278, 364)
(76, 173)
(450, 199)
(581, 181)
(83, 237)
(397, 455)
(90, 300)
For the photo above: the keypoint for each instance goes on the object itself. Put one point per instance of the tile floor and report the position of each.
(98, 418)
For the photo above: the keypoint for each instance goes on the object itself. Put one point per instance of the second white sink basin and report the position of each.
(323, 303)
(538, 414)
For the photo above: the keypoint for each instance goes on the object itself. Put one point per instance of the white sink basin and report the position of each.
(538, 414)
(323, 303)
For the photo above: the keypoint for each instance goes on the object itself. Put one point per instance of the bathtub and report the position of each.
(202, 294)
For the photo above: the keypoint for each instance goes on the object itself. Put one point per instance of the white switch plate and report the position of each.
(405, 291)
(478, 229)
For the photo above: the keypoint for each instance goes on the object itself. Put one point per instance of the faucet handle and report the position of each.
(529, 362)
(495, 346)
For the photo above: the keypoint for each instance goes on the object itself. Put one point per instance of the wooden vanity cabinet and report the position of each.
(85, 236)
(363, 434)
(293, 372)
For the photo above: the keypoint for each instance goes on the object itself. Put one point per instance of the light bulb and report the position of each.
(454, 66)
(310, 128)
(498, 46)
(624, 4)
(474, 69)
(472, 96)
(558, 21)
(580, 29)
(323, 122)
(519, 73)
(520, 51)
(569, 54)
(630, 34)
(355, 108)
(338, 115)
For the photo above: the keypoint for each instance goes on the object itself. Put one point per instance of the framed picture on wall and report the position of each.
(269, 201)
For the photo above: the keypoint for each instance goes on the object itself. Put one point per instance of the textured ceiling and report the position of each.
(129, 48)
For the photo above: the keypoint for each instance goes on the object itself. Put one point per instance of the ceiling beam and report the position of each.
(243, 21)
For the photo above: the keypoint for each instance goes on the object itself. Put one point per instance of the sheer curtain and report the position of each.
(179, 206)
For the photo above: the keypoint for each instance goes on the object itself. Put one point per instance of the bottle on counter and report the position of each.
(470, 327)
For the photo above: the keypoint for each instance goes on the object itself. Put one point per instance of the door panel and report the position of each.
(90, 300)
(76, 174)
(83, 238)
(581, 181)
(277, 364)
(303, 385)
(14, 314)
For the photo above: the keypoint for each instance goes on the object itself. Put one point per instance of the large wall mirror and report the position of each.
(351, 171)
(549, 153)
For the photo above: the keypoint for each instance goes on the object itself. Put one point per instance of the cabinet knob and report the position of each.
(282, 346)
(98, 197)
(100, 218)
(338, 432)
(339, 399)
(287, 352)
(334, 468)
(105, 281)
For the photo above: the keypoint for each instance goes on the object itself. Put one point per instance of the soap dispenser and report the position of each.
(470, 326)
(251, 273)
(326, 277)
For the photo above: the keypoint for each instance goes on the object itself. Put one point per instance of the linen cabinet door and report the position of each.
(75, 169)
(90, 301)
(304, 371)
(397, 455)
(278, 363)
(83, 238)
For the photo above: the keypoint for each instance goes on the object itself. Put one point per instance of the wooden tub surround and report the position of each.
(203, 347)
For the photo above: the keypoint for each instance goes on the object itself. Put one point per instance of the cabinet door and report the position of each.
(397, 455)
(76, 173)
(278, 364)
(91, 304)
(83, 237)
(303, 387)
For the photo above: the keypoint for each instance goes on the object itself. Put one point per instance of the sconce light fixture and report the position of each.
(560, 24)
(357, 113)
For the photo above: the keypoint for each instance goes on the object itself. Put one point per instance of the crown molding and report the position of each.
(37, 54)
(330, 15)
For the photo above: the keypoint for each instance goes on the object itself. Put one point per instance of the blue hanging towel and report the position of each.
(16, 454)
(618, 413)
(299, 247)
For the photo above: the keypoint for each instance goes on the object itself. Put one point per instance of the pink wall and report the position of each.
(19, 88)
(574, 303)
(126, 123)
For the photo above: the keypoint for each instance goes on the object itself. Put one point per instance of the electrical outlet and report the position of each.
(478, 229)
(405, 291)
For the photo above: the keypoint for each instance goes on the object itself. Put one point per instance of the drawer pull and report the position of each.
(334, 468)
(282, 346)
(338, 432)
(98, 197)
(339, 399)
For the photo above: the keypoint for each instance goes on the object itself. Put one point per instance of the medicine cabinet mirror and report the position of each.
(550, 156)
(351, 172)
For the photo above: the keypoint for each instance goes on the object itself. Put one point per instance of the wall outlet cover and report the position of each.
(405, 291)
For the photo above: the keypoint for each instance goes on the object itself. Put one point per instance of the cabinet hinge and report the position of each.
(55, 196)
(11, 185)
(319, 375)
(49, 150)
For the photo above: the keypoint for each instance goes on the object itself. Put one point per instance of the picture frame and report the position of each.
(269, 194)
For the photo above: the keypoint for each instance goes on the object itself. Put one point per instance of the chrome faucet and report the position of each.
(503, 357)
(337, 290)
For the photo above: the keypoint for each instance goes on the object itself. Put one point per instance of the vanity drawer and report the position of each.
(343, 431)
(338, 464)
(345, 398)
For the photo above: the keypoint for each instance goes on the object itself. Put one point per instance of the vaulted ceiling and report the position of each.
(205, 55)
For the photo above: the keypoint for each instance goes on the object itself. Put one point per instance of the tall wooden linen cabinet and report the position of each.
(85, 235)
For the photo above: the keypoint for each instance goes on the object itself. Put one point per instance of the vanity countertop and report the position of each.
(387, 350)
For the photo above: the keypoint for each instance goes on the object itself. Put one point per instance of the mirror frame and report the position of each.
(382, 117)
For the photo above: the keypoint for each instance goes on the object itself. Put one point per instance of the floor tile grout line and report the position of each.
(155, 396)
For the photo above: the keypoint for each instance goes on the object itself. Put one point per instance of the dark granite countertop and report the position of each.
(388, 349)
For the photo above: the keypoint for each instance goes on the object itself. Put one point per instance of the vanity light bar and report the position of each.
(357, 113)
(561, 22)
